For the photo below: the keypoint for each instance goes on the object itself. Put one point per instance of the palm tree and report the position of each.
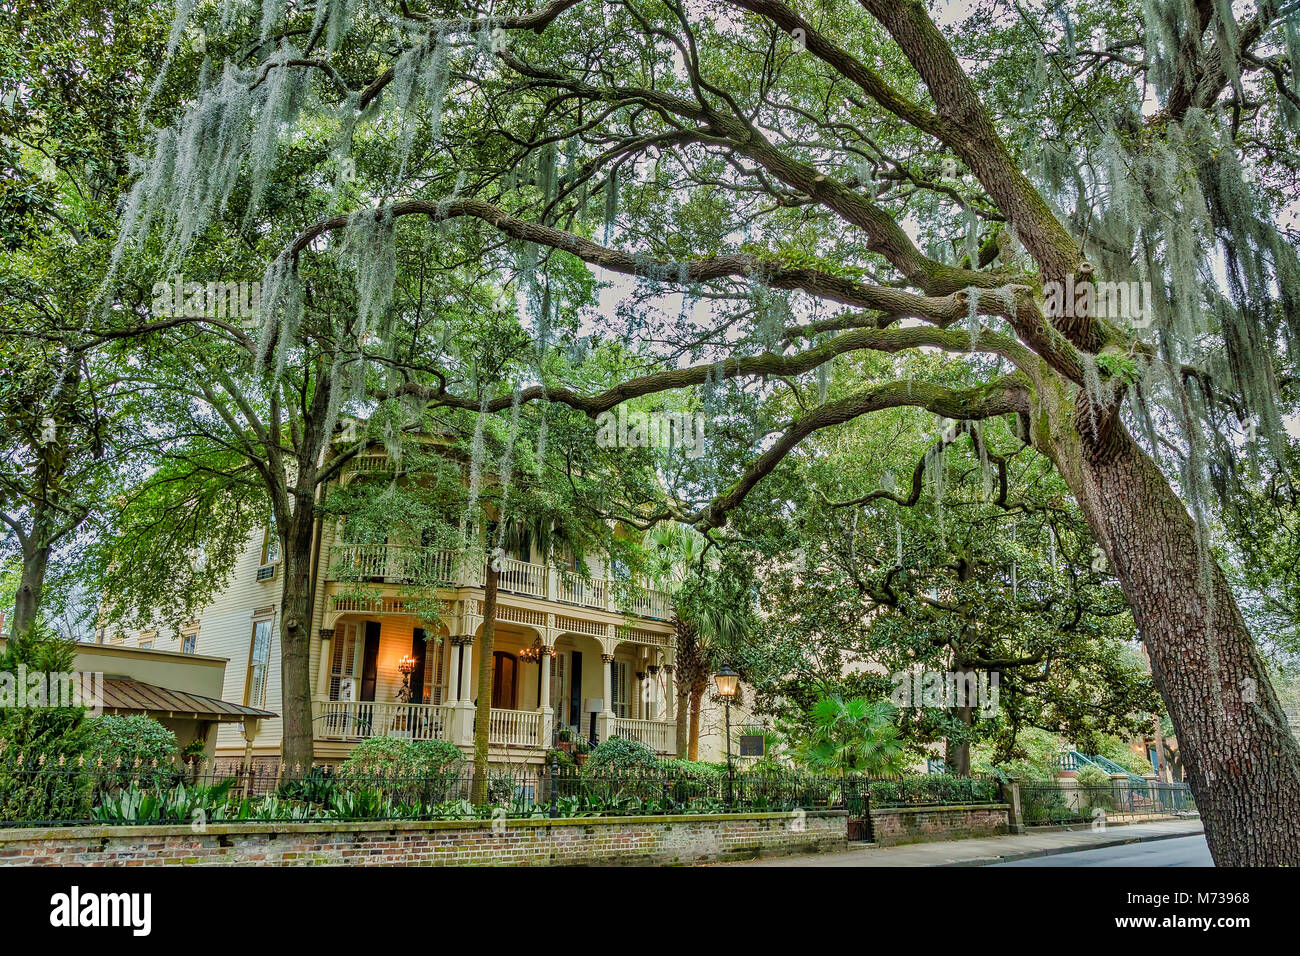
(709, 616)
(852, 736)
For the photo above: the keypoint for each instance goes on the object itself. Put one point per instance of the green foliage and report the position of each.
(1034, 757)
(560, 758)
(1092, 776)
(1047, 805)
(400, 757)
(701, 769)
(1121, 753)
(32, 737)
(620, 755)
(134, 740)
(852, 736)
(933, 789)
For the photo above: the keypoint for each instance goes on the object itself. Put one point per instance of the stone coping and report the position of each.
(931, 808)
(99, 832)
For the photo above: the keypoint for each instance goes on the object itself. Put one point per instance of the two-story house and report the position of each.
(568, 652)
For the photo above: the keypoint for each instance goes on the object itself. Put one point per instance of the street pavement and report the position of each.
(1114, 846)
(1183, 851)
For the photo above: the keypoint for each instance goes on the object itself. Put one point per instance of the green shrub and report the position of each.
(41, 777)
(1090, 776)
(696, 769)
(620, 755)
(399, 757)
(316, 787)
(128, 740)
(1047, 805)
(562, 758)
(938, 789)
(405, 771)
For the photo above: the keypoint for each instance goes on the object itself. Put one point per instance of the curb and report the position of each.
(1054, 851)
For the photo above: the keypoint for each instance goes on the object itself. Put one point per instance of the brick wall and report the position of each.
(894, 825)
(605, 841)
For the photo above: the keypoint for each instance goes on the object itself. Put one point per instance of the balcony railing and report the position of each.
(395, 564)
(658, 735)
(392, 564)
(361, 719)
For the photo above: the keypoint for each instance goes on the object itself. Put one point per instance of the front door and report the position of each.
(370, 661)
(504, 672)
(575, 690)
(418, 649)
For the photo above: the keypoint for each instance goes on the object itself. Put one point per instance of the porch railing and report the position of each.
(361, 719)
(397, 564)
(515, 727)
(658, 735)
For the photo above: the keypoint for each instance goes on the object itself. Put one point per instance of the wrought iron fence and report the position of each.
(1054, 804)
(265, 791)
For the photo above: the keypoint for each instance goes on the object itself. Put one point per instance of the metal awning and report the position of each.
(126, 695)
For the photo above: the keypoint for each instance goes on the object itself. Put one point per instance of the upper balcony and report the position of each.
(397, 564)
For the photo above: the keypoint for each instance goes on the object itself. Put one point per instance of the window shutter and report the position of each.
(619, 688)
(435, 687)
(559, 673)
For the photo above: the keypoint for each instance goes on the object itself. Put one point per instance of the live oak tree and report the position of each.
(70, 434)
(890, 547)
(819, 180)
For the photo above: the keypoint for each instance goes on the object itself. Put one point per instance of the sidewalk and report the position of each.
(979, 852)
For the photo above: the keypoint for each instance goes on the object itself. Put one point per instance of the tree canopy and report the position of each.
(777, 215)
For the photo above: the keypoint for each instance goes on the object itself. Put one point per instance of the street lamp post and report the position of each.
(728, 682)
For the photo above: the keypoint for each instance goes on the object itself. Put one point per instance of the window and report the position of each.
(146, 645)
(618, 689)
(343, 660)
(147, 639)
(270, 545)
(259, 655)
(189, 640)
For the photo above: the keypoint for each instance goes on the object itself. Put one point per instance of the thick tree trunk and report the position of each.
(298, 741)
(1241, 760)
(693, 746)
(31, 586)
(687, 672)
(956, 752)
(483, 707)
(682, 715)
